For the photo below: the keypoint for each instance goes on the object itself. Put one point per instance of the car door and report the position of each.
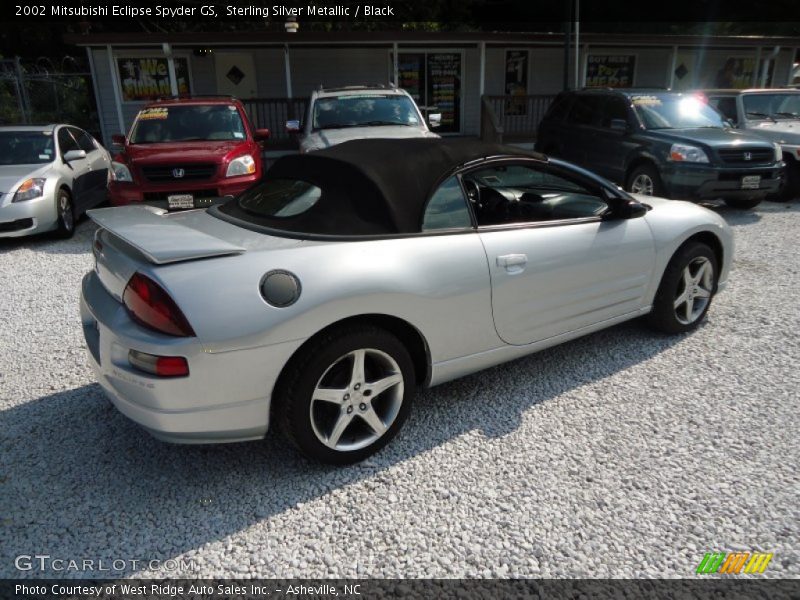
(556, 264)
(612, 142)
(96, 169)
(78, 169)
(579, 128)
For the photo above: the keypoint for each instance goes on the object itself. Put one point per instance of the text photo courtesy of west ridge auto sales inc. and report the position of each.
(399, 299)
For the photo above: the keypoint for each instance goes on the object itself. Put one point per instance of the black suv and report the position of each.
(661, 143)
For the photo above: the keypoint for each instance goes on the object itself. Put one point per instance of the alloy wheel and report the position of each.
(65, 212)
(356, 400)
(694, 290)
(642, 184)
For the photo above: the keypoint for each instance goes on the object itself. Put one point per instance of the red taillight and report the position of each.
(151, 306)
(163, 366)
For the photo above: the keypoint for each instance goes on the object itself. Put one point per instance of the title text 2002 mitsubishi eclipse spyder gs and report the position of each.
(322, 297)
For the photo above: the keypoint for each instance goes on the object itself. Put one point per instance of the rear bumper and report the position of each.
(698, 182)
(225, 398)
(122, 193)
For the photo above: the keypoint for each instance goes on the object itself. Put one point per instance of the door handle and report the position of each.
(512, 262)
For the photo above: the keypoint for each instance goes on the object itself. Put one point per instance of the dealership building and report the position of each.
(494, 85)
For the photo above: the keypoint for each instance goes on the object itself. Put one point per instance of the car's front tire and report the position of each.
(686, 290)
(743, 203)
(66, 214)
(645, 180)
(347, 395)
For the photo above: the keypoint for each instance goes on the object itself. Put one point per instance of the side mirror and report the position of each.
(74, 155)
(627, 209)
(117, 139)
(293, 126)
(618, 125)
(434, 119)
(261, 135)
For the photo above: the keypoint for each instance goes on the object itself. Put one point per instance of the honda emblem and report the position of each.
(178, 173)
(748, 156)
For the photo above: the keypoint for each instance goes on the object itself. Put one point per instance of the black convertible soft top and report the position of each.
(372, 186)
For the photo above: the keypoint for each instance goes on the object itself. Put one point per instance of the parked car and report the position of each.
(185, 151)
(771, 113)
(336, 115)
(661, 143)
(359, 272)
(49, 176)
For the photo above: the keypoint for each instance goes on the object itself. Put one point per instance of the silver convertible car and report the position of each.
(49, 176)
(321, 298)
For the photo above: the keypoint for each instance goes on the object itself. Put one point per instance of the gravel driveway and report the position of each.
(622, 454)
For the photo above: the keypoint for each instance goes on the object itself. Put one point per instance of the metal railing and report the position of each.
(513, 118)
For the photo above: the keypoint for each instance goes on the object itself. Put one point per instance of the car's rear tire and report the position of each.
(347, 395)
(743, 203)
(66, 214)
(686, 290)
(644, 179)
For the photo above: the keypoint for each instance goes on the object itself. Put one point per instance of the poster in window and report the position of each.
(148, 78)
(516, 81)
(740, 72)
(411, 74)
(607, 70)
(444, 89)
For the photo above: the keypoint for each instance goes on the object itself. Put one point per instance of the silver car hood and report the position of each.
(13, 175)
(787, 132)
(330, 137)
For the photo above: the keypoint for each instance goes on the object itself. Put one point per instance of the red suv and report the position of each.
(186, 149)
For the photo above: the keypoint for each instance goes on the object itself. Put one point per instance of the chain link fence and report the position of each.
(41, 92)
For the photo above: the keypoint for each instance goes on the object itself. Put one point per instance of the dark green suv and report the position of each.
(661, 143)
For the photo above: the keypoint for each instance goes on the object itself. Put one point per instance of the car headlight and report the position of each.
(120, 172)
(685, 153)
(778, 152)
(243, 165)
(30, 189)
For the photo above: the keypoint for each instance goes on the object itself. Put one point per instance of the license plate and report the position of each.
(751, 182)
(180, 201)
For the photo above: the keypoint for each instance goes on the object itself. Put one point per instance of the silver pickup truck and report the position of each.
(772, 113)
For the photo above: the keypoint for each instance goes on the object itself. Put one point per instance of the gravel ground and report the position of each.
(623, 454)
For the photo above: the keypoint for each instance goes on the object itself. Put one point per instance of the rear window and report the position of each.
(188, 123)
(280, 199)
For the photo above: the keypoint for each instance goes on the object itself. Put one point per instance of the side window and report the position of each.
(447, 208)
(558, 108)
(614, 107)
(726, 105)
(66, 142)
(585, 110)
(85, 141)
(513, 193)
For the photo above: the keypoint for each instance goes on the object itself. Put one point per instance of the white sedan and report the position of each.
(49, 176)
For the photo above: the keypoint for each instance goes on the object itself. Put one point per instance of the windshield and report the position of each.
(26, 147)
(338, 112)
(775, 106)
(675, 111)
(217, 122)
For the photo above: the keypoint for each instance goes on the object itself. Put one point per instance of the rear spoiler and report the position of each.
(160, 239)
